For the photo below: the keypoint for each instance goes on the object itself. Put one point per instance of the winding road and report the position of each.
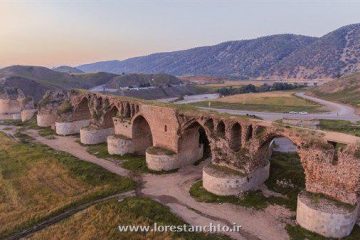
(336, 111)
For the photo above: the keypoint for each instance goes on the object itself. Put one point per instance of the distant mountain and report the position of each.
(245, 59)
(34, 81)
(277, 57)
(67, 69)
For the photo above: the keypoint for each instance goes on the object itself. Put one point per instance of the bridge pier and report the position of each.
(46, 119)
(69, 128)
(159, 159)
(224, 181)
(119, 145)
(91, 136)
(27, 114)
(324, 216)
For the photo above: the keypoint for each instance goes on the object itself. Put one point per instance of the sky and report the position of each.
(73, 32)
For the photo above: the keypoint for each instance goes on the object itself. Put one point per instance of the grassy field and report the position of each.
(269, 101)
(37, 182)
(102, 220)
(340, 126)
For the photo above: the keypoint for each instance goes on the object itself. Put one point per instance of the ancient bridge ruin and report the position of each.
(172, 137)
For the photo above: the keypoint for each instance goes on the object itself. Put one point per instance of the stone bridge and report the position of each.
(175, 136)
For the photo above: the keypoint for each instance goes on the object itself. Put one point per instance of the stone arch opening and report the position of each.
(209, 124)
(82, 110)
(235, 137)
(127, 110)
(194, 144)
(141, 135)
(249, 133)
(220, 129)
(108, 117)
(286, 174)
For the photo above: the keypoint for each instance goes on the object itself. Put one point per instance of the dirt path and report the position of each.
(173, 190)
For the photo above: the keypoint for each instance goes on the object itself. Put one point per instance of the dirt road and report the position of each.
(337, 111)
(173, 191)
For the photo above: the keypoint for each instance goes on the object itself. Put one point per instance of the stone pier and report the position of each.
(91, 136)
(324, 216)
(70, 128)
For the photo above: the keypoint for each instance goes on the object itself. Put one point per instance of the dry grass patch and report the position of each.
(102, 220)
(37, 182)
(279, 101)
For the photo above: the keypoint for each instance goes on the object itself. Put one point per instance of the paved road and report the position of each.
(337, 111)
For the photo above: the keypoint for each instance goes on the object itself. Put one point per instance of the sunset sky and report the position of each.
(52, 33)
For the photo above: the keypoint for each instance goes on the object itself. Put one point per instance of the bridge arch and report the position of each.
(82, 110)
(194, 143)
(220, 129)
(108, 117)
(235, 137)
(141, 134)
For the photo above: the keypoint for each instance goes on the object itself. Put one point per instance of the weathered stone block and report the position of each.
(46, 119)
(224, 182)
(325, 217)
(161, 160)
(119, 145)
(95, 136)
(69, 128)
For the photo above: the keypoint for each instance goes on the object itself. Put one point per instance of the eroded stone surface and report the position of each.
(236, 142)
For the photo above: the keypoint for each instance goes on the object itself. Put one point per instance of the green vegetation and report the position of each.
(298, 233)
(102, 221)
(340, 126)
(37, 182)
(225, 169)
(286, 177)
(159, 151)
(31, 124)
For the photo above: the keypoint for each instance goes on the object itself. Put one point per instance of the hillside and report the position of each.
(67, 69)
(273, 57)
(345, 90)
(50, 78)
(247, 58)
(35, 81)
(143, 80)
(335, 54)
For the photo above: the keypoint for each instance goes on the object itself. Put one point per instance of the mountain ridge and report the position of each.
(281, 56)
